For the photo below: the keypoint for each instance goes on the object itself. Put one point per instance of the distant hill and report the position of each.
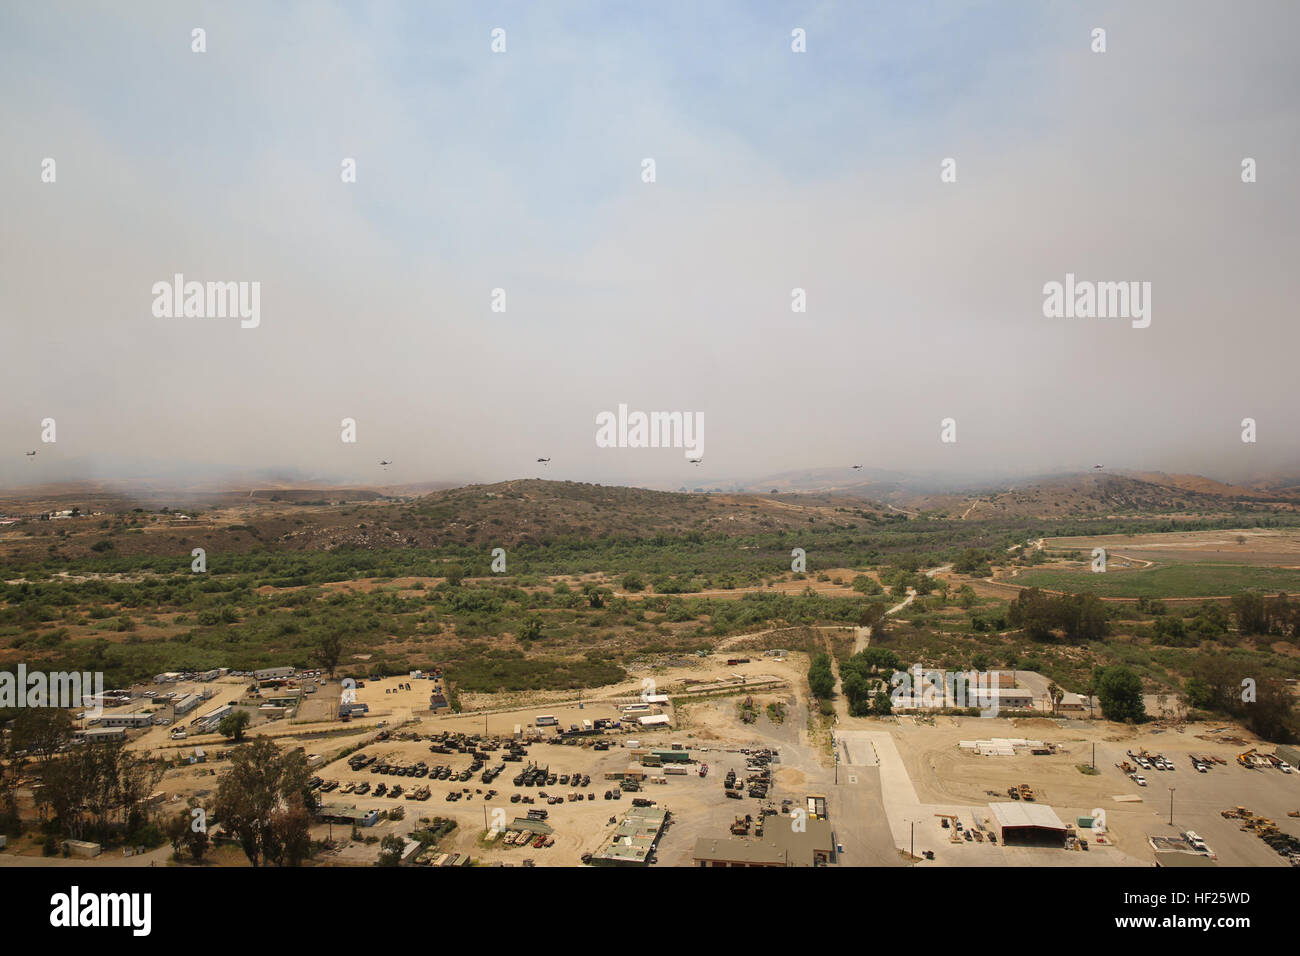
(540, 512)
(526, 511)
(1101, 494)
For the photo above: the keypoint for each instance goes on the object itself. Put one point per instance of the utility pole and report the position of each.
(913, 822)
(1171, 806)
(1094, 755)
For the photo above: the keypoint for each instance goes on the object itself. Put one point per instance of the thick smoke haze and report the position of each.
(522, 171)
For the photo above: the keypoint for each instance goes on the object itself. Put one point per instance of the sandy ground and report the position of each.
(892, 776)
(944, 778)
(1261, 546)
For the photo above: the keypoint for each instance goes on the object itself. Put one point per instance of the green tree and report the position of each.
(328, 652)
(42, 732)
(233, 725)
(262, 798)
(1055, 695)
(820, 678)
(1251, 612)
(1120, 693)
(390, 850)
(1197, 694)
(184, 835)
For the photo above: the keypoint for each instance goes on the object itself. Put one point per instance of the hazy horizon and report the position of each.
(522, 171)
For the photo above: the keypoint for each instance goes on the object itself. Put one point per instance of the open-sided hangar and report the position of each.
(1028, 824)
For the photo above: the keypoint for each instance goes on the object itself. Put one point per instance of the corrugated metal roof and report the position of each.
(1026, 815)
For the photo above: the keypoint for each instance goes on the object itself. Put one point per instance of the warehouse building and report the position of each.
(353, 816)
(634, 840)
(100, 735)
(1028, 824)
(672, 756)
(734, 851)
(187, 704)
(138, 719)
(1004, 698)
(782, 845)
(273, 673)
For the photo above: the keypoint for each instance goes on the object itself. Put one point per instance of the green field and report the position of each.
(1166, 581)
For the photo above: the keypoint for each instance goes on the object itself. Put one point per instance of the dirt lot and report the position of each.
(943, 774)
(708, 728)
(893, 777)
(1266, 547)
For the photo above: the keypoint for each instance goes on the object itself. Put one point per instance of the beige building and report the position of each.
(780, 845)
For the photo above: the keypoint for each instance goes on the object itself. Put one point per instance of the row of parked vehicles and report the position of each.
(1151, 761)
(535, 776)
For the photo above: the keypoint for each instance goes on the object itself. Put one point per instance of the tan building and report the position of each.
(780, 845)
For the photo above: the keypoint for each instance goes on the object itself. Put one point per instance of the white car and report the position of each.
(1284, 767)
(1140, 780)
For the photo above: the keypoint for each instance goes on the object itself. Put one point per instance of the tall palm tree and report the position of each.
(1056, 694)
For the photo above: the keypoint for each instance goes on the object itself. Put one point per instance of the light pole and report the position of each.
(1171, 806)
(913, 824)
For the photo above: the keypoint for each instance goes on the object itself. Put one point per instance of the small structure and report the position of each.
(412, 850)
(186, 704)
(136, 719)
(672, 756)
(99, 735)
(272, 673)
(82, 849)
(351, 815)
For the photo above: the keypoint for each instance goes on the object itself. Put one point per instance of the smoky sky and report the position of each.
(522, 171)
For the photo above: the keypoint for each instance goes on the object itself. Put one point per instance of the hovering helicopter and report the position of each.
(30, 453)
(543, 461)
(1097, 467)
(695, 461)
(385, 463)
(856, 467)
